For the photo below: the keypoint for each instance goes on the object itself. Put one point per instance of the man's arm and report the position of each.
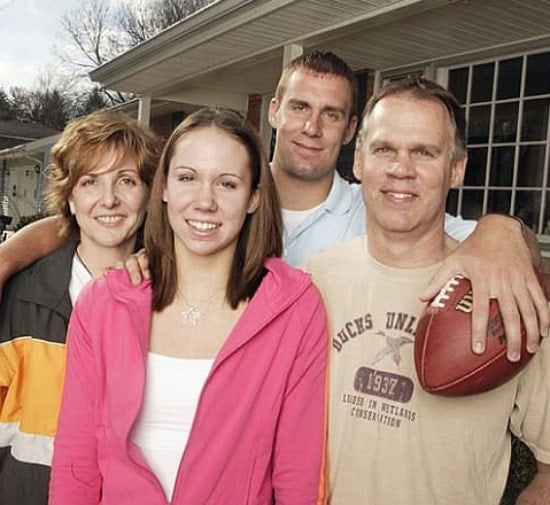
(498, 258)
(28, 245)
(538, 491)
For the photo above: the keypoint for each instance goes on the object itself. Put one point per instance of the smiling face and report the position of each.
(108, 203)
(312, 119)
(208, 192)
(405, 165)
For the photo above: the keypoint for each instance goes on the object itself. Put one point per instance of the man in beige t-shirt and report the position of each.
(389, 441)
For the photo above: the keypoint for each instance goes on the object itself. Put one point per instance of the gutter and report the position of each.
(22, 150)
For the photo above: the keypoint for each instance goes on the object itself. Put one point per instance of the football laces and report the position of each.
(439, 301)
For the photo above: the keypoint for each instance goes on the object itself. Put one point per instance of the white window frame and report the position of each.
(440, 74)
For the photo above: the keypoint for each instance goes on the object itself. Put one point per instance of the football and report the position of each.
(445, 363)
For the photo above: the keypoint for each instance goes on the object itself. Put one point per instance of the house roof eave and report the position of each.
(164, 42)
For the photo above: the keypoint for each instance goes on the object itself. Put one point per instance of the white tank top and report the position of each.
(80, 276)
(172, 391)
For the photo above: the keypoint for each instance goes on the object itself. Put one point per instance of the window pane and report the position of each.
(472, 203)
(458, 83)
(478, 124)
(499, 201)
(506, 122)
(452, 202)
(507, 103)
(535, 119)
(530, 166)
(482, 82)
(502, 166)
(477, 167)
(546, 229)
(528, 207)
(509, 78)
(537, 80)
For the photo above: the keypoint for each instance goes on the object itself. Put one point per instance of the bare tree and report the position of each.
(92, 35)
(90, 101)
(51, 77)
(95, 33)
(143, 19)
(52, 101)
(91, 38)
(8, 109)
(48, 107)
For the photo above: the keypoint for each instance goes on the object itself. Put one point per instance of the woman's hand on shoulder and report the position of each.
(137, 266)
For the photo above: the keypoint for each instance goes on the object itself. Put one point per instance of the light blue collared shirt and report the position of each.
(342, 216)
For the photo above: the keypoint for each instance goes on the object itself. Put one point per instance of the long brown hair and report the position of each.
(260, 236)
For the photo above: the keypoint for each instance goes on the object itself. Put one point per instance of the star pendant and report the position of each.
(190, 315)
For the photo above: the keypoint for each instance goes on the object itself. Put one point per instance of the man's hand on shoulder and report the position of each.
(137, 266)
(499, 260)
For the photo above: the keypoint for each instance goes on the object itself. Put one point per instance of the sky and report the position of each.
(28, 31)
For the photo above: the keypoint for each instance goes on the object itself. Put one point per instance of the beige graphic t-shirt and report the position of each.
(390, 443)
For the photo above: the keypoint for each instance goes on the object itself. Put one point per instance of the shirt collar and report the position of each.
(339, 199)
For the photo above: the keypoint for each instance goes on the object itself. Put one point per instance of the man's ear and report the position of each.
(358, 161)
(273, 109)
(350, 130)
(458, 171)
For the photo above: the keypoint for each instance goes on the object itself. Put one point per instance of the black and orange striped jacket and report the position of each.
(34, 315)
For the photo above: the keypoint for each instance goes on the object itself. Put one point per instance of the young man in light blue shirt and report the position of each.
(339, 217)
(313, 112)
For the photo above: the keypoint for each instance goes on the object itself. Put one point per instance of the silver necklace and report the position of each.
(191, 314)
(83, 263)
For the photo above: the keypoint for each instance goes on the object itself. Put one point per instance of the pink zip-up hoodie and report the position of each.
(259, 432)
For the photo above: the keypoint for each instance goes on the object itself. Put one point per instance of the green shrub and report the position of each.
(522, 470)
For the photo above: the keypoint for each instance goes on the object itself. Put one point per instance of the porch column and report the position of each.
(46, 158)
(265, 127)
(290, 52)
(144, 110)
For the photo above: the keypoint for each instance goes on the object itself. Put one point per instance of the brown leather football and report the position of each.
(444, 360)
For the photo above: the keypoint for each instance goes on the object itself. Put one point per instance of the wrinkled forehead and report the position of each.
(406, 110)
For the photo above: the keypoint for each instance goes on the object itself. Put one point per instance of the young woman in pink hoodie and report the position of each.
(207, 384)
